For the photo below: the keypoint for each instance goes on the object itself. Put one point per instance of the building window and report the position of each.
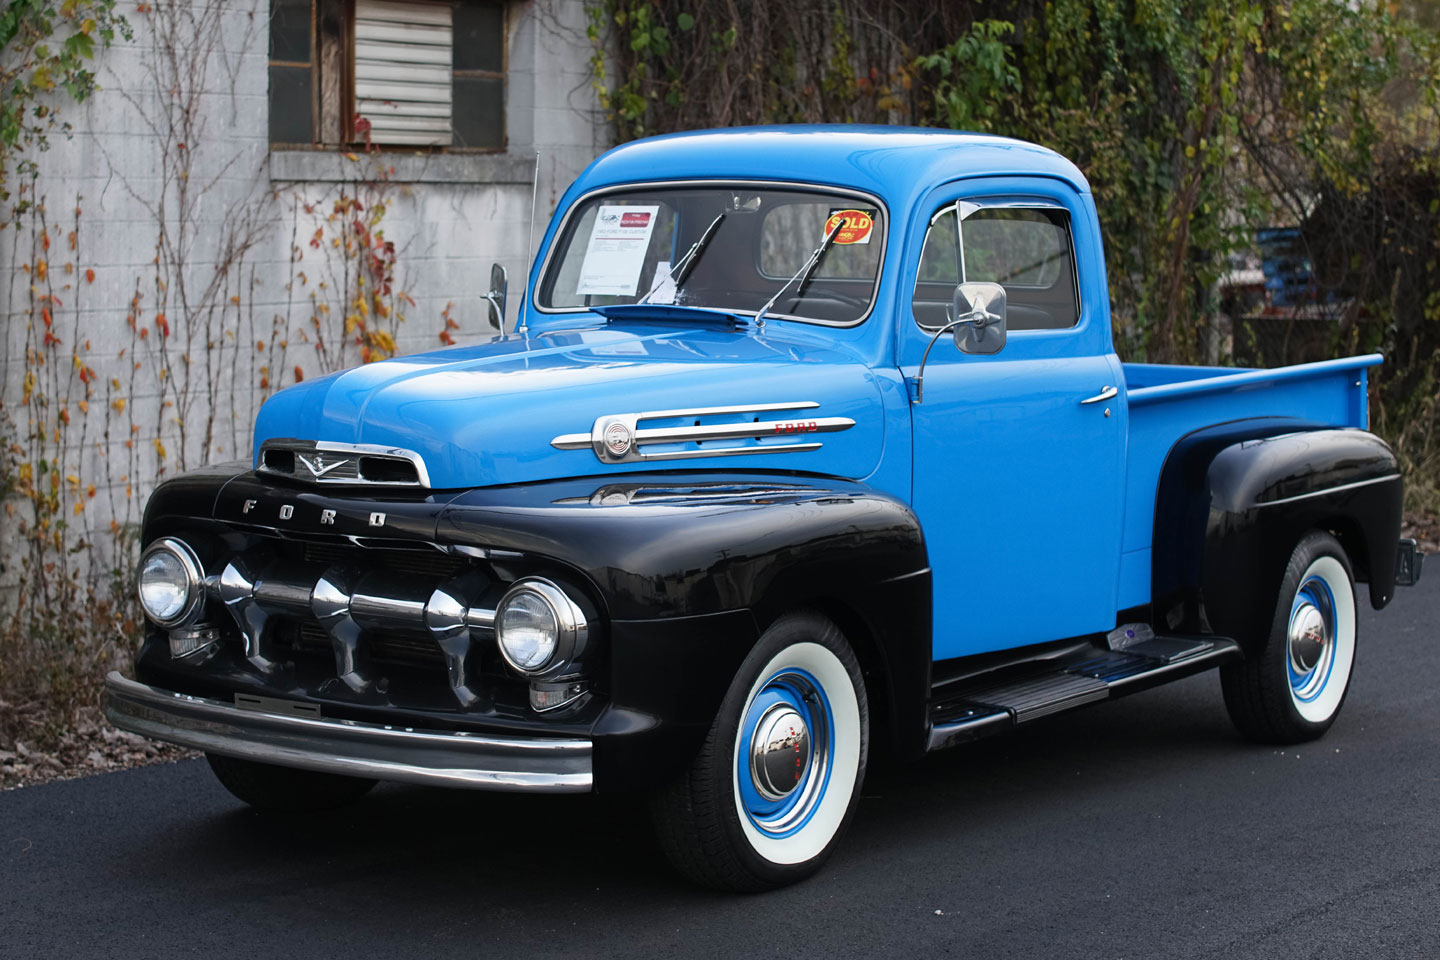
(402, 73)
(292, 71)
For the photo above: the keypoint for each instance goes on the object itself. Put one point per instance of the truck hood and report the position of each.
(490, 413)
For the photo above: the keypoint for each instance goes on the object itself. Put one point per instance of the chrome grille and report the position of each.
(422, 559)
(327, 462)
(409, 605)
(311, 638)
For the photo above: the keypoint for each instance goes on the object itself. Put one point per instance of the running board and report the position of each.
(998, 701)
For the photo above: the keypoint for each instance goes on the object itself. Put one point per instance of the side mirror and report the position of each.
(979, 317)
(499, 284)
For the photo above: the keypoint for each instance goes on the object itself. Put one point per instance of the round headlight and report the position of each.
(170, 588)
(537, 626)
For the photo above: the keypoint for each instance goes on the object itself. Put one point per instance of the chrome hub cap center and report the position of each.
(779, 752)
(1308, 637)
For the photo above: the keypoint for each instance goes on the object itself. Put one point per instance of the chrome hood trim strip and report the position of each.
(618, 438)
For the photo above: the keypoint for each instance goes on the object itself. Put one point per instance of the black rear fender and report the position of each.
(1235, 499)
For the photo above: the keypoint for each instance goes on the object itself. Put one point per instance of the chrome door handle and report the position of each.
(1105, 394)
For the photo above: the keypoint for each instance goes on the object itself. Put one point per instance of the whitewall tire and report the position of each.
(777, 779)
(1291, 689)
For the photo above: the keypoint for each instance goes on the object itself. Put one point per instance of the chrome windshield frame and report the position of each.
(796, 185)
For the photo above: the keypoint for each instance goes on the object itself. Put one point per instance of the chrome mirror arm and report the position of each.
(979, 318)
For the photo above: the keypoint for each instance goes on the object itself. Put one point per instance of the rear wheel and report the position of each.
(285, 789)
(1292, 688)
(778, 776)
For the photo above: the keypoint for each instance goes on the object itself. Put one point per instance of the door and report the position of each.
(1018, 469)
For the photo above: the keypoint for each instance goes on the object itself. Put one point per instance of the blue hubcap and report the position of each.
(786, 749)
(1311, 639)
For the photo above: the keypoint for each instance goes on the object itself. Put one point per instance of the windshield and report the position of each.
(626, 246)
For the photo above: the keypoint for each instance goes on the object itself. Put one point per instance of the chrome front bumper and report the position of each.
(474, 761)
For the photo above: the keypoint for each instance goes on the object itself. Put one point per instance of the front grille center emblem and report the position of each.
(618, 439)
(318, 467)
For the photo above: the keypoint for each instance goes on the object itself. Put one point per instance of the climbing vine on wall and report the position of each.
(191, 341)
(44, 48)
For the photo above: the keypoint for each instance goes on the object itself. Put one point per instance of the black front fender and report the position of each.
(677, 549)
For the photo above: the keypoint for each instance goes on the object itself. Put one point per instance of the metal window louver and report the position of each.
(403, 79)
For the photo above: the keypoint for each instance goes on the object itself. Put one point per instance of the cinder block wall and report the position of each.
(142, 229)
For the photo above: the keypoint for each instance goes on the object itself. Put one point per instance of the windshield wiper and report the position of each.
(682, 268)
(803, 274)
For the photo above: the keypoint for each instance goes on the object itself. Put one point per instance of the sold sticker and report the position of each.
(858, 225)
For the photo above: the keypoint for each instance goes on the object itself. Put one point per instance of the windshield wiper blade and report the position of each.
(685, 264)
(805, 271)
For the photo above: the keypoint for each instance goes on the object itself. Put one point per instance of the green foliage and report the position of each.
(977, 75)
(45, 46)
(1197, 122)
(1142, 97)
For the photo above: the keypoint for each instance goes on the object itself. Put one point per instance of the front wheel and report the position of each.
(1292, 688)
(778, 776)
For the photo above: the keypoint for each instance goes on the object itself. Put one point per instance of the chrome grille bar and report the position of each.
(345, 602)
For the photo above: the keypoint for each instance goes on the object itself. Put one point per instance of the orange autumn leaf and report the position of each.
(89, 276)
(299, 374)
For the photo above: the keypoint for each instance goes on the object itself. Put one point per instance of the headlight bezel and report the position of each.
(194, 581)
(571, 631)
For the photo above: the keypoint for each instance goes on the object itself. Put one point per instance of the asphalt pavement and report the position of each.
(1143, 828)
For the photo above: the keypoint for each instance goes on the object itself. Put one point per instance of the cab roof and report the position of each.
(896, 163)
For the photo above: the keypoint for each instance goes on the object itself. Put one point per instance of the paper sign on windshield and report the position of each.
(858, 225)
(616, 251)
(664, 289)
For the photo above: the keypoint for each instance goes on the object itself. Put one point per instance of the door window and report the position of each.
(1026, 249)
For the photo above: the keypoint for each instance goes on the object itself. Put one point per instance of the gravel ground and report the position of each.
(88, 746)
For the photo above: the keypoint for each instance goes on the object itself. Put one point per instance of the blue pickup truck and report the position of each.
(808, 441)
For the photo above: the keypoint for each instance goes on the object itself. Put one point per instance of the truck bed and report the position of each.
(1168, 402)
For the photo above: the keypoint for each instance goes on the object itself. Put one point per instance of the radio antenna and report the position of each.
(529, 248)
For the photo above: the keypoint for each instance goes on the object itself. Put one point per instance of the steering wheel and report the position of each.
(826, 292)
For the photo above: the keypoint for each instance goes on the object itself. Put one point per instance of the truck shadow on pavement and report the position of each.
(450, 846)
